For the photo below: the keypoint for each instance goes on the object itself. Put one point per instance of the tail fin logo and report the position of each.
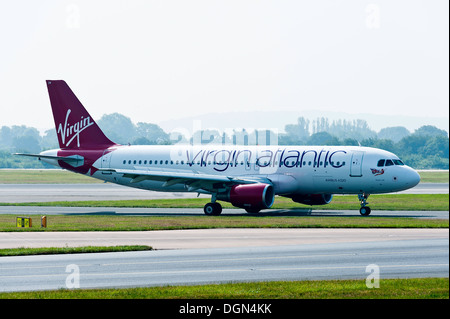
(70, 132)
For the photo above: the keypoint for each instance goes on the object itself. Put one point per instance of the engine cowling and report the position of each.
(250, 196)
(313, 199)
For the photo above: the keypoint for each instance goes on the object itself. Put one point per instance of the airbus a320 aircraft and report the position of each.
(248, 177)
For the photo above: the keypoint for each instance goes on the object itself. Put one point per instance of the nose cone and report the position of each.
(413, 178)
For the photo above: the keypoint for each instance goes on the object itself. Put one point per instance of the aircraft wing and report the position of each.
(192, 180)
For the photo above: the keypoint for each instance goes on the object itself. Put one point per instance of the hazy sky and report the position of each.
(159, 60)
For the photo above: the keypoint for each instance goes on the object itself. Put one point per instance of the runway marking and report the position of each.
(223, 271)
(279, 257)
(233, 259)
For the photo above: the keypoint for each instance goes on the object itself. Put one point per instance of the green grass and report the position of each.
(413, 202)
(69, 250)
(147, 223)
(43, 176)
(108, 222)
(434, 176)
(423, 288)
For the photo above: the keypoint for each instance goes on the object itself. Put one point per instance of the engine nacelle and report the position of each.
(249, 196)
(313, 199)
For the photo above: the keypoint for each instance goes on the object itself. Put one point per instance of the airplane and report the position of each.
(248, 177)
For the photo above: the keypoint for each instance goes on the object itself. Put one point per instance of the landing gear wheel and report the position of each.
(365, 211)
(212, 209)
(252, 210)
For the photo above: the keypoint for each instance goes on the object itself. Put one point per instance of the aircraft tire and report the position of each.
(212, 209)
(365, 211)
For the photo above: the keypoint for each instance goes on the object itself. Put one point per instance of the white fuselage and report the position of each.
(290, 169)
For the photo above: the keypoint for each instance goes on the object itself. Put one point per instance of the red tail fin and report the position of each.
(75, 128)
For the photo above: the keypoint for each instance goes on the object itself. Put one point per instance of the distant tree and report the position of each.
(26, 144)
(298, 132)
(323, 138)
(350, 141)
(384, 144)
(436, 146)
(118, 128)
(49, 140)
(411, 144)
(20, 138)
(395, 133)
(349, 129)
(430, 130)
(321, 124)
(152, 133)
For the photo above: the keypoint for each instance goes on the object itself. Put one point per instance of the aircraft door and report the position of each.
(106, 160)
(356, 164)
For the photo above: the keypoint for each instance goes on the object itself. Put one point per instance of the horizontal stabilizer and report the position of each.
(73, 160)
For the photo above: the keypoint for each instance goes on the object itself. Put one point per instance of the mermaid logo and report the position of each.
(377, 172)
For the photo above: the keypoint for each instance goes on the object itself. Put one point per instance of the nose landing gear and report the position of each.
(364, 210)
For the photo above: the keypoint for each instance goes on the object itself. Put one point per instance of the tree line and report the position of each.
(425, 148)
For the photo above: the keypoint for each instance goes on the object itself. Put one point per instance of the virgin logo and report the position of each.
(70, 132)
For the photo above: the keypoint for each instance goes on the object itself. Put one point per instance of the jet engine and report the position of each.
(313, 199)
(252, 197)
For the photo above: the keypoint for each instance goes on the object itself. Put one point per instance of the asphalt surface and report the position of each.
(211, 256)
(354, 260)
(43, 210)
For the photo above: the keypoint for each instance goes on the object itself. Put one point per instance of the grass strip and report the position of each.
(70, 250)
(416, 288)
(148, 223)
(43, 176)
(412, 202)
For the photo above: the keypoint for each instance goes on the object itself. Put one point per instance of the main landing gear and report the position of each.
(364, 210)
(212, 209)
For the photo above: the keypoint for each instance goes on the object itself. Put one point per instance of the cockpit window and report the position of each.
(380, 163)
(389, 162)
(398, 162)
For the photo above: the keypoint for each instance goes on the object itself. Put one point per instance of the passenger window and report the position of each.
(380, 163)
(389, 163)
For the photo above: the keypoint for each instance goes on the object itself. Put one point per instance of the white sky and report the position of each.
(158, 60)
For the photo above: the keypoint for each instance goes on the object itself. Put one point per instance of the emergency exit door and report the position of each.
(356, 164)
